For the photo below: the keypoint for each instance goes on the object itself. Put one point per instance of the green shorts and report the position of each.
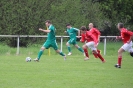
(49, 44)
(72, 41)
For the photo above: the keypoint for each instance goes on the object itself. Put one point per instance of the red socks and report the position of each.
(98, 51)
(86, 53)
(119, 60)
(102, 59)
(95, 55)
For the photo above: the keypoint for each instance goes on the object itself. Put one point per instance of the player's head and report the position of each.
(47, 22)
(83, 29)
(90, 25)
(68, 26)
(120, 25)
(131, 54)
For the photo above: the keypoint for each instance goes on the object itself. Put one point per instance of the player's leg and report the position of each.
(46, 45)
(95, 55)
(99, 56)
(41, 52)
(93, 48)
(68, 46)
(61, 53)
(78, 47)
(85, 47)
(55, 46)
(125, 47)
(120, 51)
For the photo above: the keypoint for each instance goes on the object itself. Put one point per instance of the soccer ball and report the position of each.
(28, 59)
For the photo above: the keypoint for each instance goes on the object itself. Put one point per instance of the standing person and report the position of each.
(97, 34)
(91, 41)
(126, 37)
(51, 40)
(72, 32)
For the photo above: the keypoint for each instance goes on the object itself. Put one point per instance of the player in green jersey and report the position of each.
(72, 32)
(50, 42)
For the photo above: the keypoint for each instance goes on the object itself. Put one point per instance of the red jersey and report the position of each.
(88, 36)
(125, 35)
(95, 32)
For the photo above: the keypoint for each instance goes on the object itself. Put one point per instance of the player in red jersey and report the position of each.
(91, 41)
(97, 34)
(126, 37)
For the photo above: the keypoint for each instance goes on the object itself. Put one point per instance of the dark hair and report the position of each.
(83, 28)
(121, 25)
(68, 24)
(48, 21)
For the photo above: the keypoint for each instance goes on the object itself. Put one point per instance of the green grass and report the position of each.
(53, 72)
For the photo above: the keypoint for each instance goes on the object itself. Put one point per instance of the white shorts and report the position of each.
(91, 45)
(128, 47)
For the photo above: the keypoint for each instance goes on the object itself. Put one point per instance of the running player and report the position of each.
(91, 41)
(50, 42)
(72, 32)
(97, 34)
(126, 37)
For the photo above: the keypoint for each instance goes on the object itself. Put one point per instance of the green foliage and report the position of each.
(24, 17)
(117, 11)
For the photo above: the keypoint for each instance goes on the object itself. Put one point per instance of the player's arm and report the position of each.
(46, 31)
(82, 38)
(131, 35)
(98, 38)
(121, 36)
(78, 32)
(98, 33)
(118, 37)
(66, 31)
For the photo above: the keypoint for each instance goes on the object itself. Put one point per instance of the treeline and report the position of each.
(24, 17)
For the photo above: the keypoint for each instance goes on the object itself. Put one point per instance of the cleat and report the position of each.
(104, 61)
(69, 53)
(85, 59)
(117, 66)
(65, 57)
(36, 60)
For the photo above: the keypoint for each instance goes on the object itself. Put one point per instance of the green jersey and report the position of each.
(72, 32)
(51, 34)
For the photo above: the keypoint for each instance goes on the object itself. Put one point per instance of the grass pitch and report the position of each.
(53, 72)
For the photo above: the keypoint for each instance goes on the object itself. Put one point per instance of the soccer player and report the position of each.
(51, 40)
(72, 32)
(126, 37)
(97, 34)
(91, 41)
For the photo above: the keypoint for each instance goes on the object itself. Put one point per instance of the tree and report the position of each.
(117, 11)
(24, 17)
